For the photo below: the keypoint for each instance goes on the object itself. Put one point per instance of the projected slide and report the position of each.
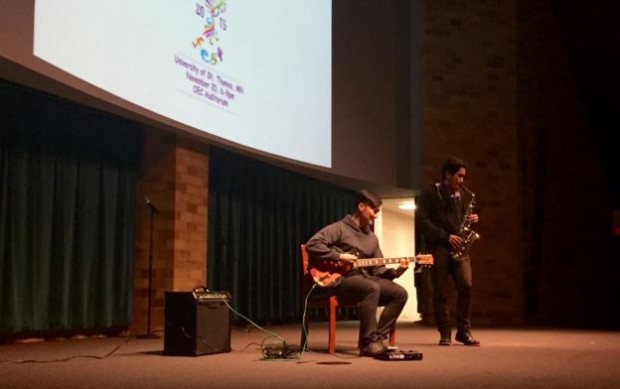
(257, 73)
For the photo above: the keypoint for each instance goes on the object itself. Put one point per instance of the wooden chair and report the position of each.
(324, 298)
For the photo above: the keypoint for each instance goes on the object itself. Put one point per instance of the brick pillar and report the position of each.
(175, 179)
(190, 225)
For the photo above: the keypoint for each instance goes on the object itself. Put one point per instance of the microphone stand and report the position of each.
(153, 210)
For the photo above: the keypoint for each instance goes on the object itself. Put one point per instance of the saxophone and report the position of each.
(468, 235)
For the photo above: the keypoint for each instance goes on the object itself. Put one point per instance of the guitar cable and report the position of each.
(303, 319)
(278, 349)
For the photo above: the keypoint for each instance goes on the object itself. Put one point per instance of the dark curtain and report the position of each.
(258, 217)
(67, 190)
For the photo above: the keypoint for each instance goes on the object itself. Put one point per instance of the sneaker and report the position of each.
(373, 349)
(445, 338)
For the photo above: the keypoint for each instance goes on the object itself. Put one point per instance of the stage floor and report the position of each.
(513, 358)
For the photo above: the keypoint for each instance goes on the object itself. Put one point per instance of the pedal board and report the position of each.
(399, 355)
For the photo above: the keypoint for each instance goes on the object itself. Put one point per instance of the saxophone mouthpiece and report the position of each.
(472, 194)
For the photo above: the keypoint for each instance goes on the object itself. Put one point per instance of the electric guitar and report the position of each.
(328, 274)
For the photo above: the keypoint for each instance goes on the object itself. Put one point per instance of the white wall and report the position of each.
(396, 233)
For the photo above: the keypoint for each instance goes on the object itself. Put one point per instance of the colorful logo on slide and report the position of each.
(207, 44)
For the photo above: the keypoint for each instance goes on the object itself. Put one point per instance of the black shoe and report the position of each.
(373, 349)
(445, 339)
(466, 339)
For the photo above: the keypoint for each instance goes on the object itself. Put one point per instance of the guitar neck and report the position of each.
(366, 262)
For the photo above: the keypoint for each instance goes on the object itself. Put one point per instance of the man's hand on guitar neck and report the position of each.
(404, 265)
(347, 258)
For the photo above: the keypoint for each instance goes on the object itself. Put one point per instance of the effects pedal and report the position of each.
(394, 354)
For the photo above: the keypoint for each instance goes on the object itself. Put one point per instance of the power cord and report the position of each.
(115, 349)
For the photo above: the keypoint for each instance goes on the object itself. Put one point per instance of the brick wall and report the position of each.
(175, 179)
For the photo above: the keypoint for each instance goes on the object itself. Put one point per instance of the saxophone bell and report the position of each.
(468, 235)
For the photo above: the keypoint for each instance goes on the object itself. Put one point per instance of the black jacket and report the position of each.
(438, 214)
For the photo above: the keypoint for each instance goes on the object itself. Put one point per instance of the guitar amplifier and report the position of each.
(196, 323)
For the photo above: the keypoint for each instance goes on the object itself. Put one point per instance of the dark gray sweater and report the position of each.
(344, 236)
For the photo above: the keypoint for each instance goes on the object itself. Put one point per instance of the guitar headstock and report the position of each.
(425, 259)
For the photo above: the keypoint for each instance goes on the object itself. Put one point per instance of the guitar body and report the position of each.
(328, 273)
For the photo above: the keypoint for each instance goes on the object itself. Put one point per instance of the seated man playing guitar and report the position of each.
(371, 286)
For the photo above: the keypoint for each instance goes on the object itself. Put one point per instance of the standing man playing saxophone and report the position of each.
(440, 216)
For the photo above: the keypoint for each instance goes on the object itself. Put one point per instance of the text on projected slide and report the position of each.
(202, 80)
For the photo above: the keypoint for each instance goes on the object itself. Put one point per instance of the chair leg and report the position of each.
(393, 335)
(331, 346)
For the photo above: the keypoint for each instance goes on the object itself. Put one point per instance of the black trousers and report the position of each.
(372, 292)
(443, 268)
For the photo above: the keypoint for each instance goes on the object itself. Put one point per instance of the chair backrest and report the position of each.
(304, 259)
